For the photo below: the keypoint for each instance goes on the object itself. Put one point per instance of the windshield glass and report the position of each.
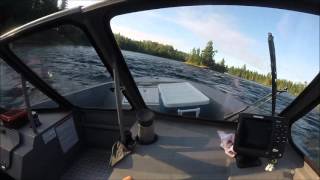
(212, 62)
(222, 53)
(11, 93)
(65, 59)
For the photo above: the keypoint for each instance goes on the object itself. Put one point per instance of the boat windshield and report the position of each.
(65, 59)
(211, 62)
(204, 62)
(11, 92)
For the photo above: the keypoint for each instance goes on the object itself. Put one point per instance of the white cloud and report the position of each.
(221, 28)
(225, 34)
(140, 35)
(283, 26)
(283, 23)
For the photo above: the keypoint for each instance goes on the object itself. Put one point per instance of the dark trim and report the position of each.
(117, 7)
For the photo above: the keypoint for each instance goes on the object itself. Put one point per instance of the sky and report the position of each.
(238, 33)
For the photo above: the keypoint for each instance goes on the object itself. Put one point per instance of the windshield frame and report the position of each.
(95, 22)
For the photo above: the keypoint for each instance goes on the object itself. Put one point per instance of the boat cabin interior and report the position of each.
(138, 127)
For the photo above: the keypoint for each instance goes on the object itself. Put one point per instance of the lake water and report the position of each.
(80, 65)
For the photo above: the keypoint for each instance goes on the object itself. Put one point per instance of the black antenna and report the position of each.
(273, 72)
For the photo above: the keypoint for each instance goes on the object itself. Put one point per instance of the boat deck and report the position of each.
(183, 151)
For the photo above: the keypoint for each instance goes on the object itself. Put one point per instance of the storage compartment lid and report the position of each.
(181, 95)
(150, 96)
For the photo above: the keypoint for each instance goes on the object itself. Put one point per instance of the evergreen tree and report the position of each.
(14, 14)
(222, 62)
(64, 4)
(150, 47)
(208, 54)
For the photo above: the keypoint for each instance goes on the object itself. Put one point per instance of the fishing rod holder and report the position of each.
(146, 134)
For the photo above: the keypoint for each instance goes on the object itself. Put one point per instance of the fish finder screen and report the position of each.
(255, 134)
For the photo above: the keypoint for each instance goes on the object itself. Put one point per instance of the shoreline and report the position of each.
(199, 66)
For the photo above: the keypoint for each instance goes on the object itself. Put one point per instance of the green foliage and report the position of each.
(64, 4)
(221, 67)
(150, 47)
(194, 57)
(208, 54)
(293, 88)
(17, 13)
(206, 58)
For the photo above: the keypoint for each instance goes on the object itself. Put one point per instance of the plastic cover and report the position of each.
(181, 95)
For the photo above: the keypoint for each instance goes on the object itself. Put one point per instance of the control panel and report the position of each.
(279, 138)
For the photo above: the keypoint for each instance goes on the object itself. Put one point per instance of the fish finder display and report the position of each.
(256, 134)
(261, 136)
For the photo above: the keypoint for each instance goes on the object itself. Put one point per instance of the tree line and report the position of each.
(15, 13)
(205, 58)
(150, 47)
(292, 87)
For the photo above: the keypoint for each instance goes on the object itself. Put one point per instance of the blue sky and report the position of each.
(238, 33)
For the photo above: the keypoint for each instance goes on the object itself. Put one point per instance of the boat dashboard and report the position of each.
(27, 154)
(77, 145)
